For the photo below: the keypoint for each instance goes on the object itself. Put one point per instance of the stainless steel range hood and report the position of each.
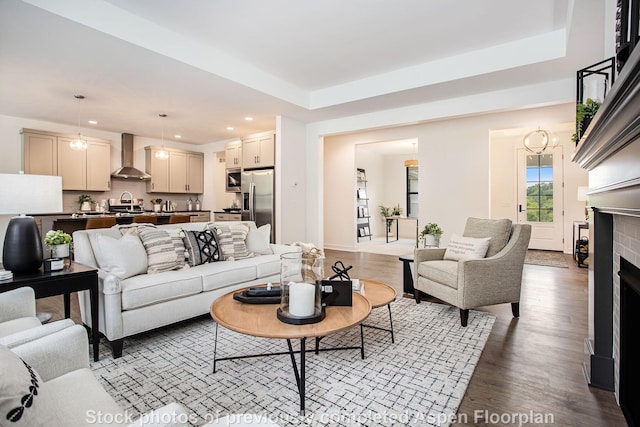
(127, 171)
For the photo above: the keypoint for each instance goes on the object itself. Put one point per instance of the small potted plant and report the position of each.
(58, 243)
(431, 234)
(85, 200)
(396, 210)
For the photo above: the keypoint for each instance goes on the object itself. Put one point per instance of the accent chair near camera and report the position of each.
(465, 277)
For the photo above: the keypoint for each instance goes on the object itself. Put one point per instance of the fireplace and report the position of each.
(629, 341)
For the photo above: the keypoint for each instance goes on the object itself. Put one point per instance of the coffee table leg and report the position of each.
(362, 341)
(215, 348)
(299, 376)
(393, 341)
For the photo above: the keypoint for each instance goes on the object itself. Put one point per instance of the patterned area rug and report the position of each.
(548, 258)
(419, 380)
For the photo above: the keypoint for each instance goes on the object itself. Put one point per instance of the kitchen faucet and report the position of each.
(130, 199)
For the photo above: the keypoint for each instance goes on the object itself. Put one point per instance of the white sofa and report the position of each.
(148, 301)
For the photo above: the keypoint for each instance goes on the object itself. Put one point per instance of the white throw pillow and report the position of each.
(460, 248)
(258, 240)
(24, 400)
(124, 257)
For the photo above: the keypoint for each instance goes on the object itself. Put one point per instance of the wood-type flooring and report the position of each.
(530, 367)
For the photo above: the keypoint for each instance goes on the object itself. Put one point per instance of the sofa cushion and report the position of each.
(258, 240)
(498, 229)
(267, 265)
(161, 252)
(217, 275)
(231, 239)
(202, 247)
(80, 399)
(440, 271)
(460, 248)
(24, 399)
(147, 289)
(123, 257)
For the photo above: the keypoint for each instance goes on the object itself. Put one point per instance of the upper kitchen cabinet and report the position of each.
(49, 153)
(233, 155)
(182, 172)
(258, 151)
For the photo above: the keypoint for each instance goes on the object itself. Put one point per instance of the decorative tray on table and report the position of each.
(259, 295)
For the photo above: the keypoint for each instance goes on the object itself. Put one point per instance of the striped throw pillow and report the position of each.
(161, 252)
(232, 241)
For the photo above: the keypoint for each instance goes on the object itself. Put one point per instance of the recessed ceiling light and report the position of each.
(248, 118)
(229, 128)
(93, 122)
(178, 136)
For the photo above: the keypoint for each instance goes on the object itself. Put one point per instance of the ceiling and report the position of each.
(209, 64)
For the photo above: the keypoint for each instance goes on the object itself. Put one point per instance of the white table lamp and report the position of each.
(22, 194)
(584, 197)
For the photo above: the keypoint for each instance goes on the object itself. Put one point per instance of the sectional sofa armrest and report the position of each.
(169, 415)
(17, 303)
(108, 284)
(279, 248)
(32, 334)
(56, 354)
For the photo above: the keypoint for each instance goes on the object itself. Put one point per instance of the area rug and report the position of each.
(547, 258)
(418, 380)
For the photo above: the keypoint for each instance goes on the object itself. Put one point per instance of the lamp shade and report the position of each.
(20, 194)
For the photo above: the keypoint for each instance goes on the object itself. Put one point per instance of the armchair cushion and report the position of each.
(16, 325)
(445, 271)
(466, 248)
(499, 230)
(34, 333)
(24, 399)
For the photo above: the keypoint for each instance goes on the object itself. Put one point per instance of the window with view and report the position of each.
(540, 188)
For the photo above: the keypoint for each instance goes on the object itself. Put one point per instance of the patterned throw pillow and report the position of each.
(177, 237)
(161, 252)
(232, 240)
(23, 396)
(202, 247)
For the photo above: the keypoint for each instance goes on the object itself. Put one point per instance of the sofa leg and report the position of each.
(116, 347)
(416, 295)
(464, 317)
(515, 309)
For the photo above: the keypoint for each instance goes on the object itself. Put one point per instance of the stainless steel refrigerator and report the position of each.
(258, 202)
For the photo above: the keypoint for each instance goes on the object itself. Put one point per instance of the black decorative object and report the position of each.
(259, 295)
(593, 84)
(22, 250)
(341, 271)
(296, 320)
(337, 292)
(627, 29)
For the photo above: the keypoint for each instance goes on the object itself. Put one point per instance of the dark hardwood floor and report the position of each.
(530, 365)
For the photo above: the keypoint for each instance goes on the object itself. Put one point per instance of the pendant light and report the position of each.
(539, 140)
(412, 162)
(162, 153)
(78, 144)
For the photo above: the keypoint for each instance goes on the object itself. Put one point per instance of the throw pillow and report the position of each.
(23, 396)
(499, 230)
(258, 240)
(124, 257)
(161, 252)
(177, 237)
(202, 247)
(462, 248)
(131, 228)
(231, 239)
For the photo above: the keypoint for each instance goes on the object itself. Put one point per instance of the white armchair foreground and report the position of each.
(471, 283)
(18, 321)
(67, 393)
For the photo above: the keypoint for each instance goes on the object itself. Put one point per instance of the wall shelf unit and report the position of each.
(363, 215)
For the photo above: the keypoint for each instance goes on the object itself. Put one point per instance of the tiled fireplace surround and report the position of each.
(610, 152)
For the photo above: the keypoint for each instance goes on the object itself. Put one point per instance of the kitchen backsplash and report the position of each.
(137, 188)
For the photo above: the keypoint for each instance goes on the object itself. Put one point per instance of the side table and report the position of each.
(407, 274)
(77, 277)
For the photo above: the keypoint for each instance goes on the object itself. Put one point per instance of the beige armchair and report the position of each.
(472, 283)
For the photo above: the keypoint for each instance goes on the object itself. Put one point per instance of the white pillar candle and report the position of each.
(302, 299)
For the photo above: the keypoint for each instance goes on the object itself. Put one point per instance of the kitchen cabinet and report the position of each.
(233, 155)
(219, 216)
(40, 154)
(200, 216)
(182, 172)
(258, 151)
(49, 153)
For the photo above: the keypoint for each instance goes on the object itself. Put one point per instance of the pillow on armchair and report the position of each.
(499, 230)
(460, 248)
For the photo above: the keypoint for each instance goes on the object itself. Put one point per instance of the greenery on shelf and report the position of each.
(584, 114)
(390, 211)
(396, 210)
(57, 237)
(431, 228)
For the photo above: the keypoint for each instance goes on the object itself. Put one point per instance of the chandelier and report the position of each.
(78, 144)
(539, 140)
(162, 153)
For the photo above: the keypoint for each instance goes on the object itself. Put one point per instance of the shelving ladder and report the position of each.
(363, 215)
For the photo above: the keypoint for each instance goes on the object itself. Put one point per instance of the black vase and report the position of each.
(22, 250)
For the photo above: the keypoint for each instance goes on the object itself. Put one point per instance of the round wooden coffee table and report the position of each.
(260, 320)
(379, 294)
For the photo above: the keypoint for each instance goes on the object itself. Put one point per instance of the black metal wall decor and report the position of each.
(627, 29)
(593, 84)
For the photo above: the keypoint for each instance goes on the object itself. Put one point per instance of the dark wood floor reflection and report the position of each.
(531, 365)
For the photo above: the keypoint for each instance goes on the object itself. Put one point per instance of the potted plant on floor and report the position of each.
(58, 242)
(431, 234)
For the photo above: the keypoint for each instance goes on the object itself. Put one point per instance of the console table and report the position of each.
(77, 277)
(389, 220)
